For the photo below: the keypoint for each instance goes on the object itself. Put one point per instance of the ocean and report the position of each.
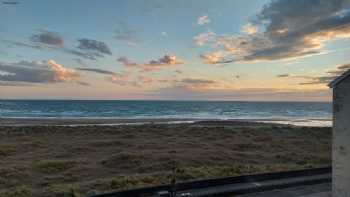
(302, 113)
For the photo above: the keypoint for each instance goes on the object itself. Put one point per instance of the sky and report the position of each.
(261, 50)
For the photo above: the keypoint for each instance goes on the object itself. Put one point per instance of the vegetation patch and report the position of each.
(6, 150)
(78, 161)
(54, 166)
(21, 191)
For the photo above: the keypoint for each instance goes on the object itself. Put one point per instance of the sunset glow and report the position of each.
(173, 50)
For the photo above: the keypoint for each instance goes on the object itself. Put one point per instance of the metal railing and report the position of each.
(232, 185)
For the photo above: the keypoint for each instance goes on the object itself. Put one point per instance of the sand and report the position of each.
(80, 160)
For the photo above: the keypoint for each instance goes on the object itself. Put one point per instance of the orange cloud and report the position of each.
(61, 73)
(37, 72)
(214, 58)
(249, 29)
(290, 31)
(152, 65)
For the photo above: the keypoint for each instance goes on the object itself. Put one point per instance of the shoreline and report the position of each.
(93, 121)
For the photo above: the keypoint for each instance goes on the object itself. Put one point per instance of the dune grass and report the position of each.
(77, 161)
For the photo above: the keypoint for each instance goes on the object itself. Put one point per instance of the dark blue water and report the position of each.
(165, 109)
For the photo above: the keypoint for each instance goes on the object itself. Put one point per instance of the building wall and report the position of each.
(341, 139)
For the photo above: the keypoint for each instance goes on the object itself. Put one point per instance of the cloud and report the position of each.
(329, 77)
(191, 83)
(204, 38)
(163, 81)
(194, 83)
(283, 75)
(82, 83)
(7, 83)
(12, 43)
(291, 29)
(10, 2)
(178, 71)
(145, 79)
(181, 92)
(62, 74)
(166, 60)
(203, 20)
(324, 80)
(96, 70)
(126, 61)
(293, 15)
(197, 81)
(123, 79)
(214, 58)
(339, 70)
(152, 65)
(207, 89)
(126, 79)
(94, 46)
(36, 72)
(163, 62)
(249, 29)
(48, 38)
(82, 54)
(86, 49)
(294, 76)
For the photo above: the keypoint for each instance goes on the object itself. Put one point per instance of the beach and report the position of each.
(80, 157)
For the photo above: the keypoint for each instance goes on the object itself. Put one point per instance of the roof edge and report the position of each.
(339, 79)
